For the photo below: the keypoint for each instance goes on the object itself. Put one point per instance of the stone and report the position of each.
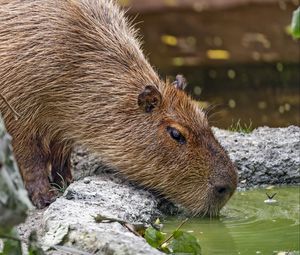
(265, 156)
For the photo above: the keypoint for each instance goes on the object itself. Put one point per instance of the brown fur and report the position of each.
(74, 70)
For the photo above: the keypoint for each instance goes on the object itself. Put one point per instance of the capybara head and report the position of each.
(185, 162)
(160, 138)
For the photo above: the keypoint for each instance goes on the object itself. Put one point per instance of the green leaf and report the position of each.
(154, 237)
(185, 243)
(12, 244)
(12, 247)
(295, 26)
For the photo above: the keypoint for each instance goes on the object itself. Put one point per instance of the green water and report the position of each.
(248, 225)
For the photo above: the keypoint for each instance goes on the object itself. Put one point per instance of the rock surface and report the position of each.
(73, 215)
(265, 156)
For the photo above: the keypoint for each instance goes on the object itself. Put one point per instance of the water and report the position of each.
(248, 225)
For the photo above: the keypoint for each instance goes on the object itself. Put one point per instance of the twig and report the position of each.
(169, 238)
(17, 115)
(103, 219)
(133, 228)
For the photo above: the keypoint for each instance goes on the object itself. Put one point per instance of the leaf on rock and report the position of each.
(154, 237)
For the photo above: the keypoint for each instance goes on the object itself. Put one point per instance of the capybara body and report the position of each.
(74, 71)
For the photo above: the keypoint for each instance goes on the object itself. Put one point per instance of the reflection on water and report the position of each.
(249, 226)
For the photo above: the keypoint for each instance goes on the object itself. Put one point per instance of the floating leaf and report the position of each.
(186, 243)
(154, 237)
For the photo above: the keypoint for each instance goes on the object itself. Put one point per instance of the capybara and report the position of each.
(75, 72)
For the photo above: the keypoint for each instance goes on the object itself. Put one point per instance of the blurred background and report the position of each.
(238, 56)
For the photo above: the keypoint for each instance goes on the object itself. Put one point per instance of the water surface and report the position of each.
(248, 225)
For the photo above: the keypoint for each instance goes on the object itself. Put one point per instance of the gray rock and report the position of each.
(264, 156)
(72, 215)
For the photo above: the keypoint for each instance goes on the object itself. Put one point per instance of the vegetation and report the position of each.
(59, 188)
(13, 245)
(241, 127)
(295, 25)
(179, 242)
(11, 242)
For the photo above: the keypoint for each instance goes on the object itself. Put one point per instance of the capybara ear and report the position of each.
(180, 82)
(149, 99)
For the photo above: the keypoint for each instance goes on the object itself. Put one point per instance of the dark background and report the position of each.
(237, 55)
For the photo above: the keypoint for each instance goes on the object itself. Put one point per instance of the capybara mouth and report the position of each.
(211, 203)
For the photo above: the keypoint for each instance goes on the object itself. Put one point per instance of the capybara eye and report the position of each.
(176, 135)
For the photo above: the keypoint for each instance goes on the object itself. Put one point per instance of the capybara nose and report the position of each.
(223, 190)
